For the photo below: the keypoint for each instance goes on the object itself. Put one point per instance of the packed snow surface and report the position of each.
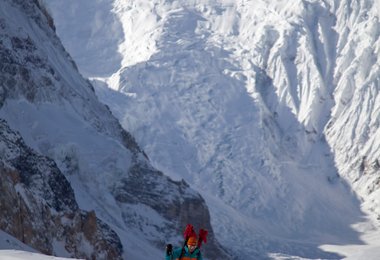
(13, 249)
(22, 255)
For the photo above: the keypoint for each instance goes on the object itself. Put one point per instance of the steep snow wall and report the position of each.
(353, 130)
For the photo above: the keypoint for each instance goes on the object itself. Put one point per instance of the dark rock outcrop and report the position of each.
(38, 207)
(174, 201)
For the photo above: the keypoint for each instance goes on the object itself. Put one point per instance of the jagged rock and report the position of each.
(175, 201)
(38, 207)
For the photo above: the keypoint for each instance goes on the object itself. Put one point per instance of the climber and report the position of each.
(191, 247)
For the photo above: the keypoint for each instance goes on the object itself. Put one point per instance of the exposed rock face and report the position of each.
(38, 207)
(174, 201)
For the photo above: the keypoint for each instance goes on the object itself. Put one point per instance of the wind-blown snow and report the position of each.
(269, 109)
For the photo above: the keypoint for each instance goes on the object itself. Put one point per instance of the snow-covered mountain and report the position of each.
(268, 108)
(74, 182)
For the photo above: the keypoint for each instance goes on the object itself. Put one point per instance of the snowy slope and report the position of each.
(9, 242)
(262, 106)
(21, 255)
(58, 116)
(19, 251)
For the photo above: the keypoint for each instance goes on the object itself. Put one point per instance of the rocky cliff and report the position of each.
(38, 207)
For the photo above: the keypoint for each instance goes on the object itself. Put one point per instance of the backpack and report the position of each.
(183, 252)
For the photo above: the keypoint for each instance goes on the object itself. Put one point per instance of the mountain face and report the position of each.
(81, 184)
(268, 108)
(353, 128)
(38, 206)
